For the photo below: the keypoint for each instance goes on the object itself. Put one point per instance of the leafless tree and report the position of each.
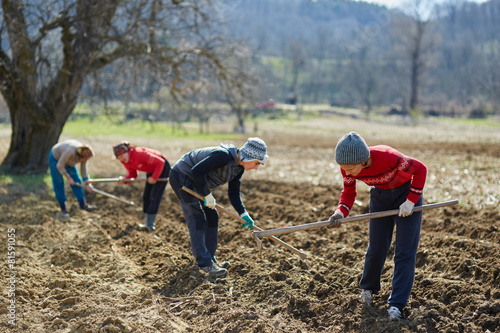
(363, 76)
(297, 55)
(198, 99)
(415, 40)
(48, 49)
(241, 94)
(321, 48)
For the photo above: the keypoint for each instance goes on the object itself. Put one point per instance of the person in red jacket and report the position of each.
(397, 183)
(156, 166)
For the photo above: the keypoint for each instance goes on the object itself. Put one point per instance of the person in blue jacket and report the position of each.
(202, 170)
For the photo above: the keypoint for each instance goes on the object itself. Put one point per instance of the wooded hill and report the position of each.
(352, 53)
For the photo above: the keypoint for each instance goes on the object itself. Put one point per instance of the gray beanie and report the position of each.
(254, 149)
(351, 149)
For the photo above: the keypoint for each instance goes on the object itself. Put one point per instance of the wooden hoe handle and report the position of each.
(111, 180)
(235, 216)
(131, 203)
(286, 230)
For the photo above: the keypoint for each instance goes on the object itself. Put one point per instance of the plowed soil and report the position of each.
(97, 273)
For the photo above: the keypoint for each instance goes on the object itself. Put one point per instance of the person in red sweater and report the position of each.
(156, 166)
(397, 183)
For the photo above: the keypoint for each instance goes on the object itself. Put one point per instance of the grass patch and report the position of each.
(29, 182)
(106, 126)
(489, 122)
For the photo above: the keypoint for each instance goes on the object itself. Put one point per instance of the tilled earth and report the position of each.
(97, 273)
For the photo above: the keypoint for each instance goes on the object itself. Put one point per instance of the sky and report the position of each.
(397, 3)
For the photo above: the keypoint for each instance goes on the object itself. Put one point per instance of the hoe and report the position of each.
(235, 216)
(286, 230)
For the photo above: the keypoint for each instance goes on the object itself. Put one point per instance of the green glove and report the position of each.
(249, 222)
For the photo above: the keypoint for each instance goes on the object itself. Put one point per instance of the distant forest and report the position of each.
(424, 58)
(440, 58)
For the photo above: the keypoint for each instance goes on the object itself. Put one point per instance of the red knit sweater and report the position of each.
(145, 160)
(389, 169)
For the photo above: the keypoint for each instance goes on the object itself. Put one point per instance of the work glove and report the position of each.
(334, 219)
(209, 201)
(249, 222)
(406, 208)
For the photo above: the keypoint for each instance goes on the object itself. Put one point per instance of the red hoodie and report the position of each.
(146, 160)
(389, 169)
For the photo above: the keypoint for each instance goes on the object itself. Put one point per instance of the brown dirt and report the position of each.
(97, 273)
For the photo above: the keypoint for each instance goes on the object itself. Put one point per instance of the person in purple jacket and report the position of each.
(202, 170)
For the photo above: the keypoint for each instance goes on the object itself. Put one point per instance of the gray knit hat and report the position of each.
(254, 149)
(351, 149)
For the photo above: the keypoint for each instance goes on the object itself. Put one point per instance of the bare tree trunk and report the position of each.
(30, 143)
(240, 119)
(416, 63)
(36, 127)
(416, 39)
(298, 59)
(414, 80)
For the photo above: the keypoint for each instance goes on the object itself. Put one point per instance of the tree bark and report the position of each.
(36, 127)
(416, 63)
(414, 81)
(241, 119)
(30, 143)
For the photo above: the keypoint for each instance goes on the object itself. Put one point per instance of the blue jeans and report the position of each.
(202, 222)
(58, 183)
(380, 239)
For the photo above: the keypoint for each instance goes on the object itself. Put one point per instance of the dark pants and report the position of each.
(202, 222)
(405, 247)
(151, 197)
